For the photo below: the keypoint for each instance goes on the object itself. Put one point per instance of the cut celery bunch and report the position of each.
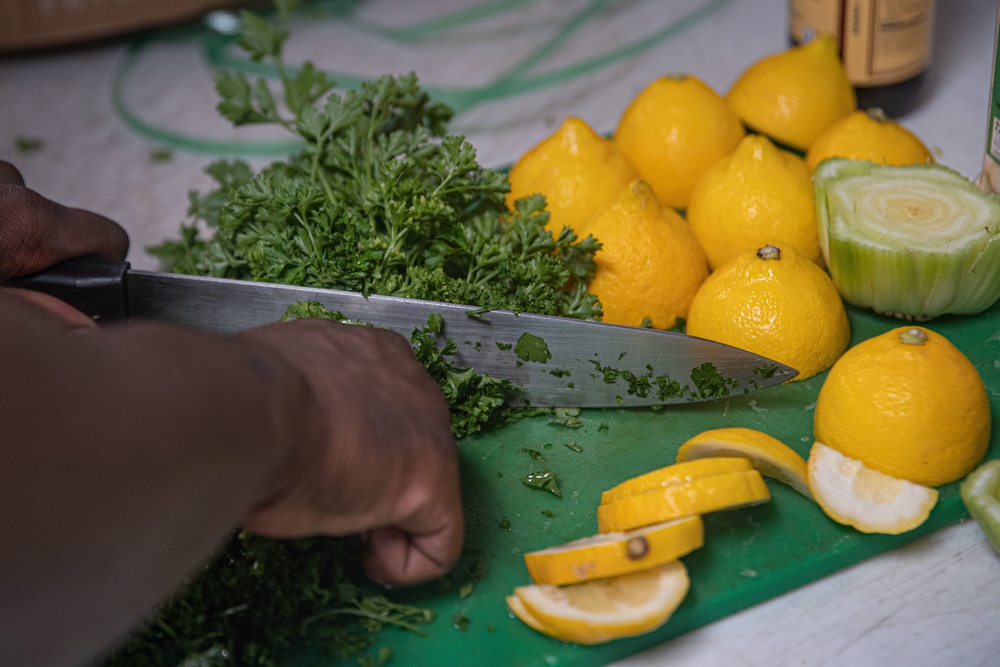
(913, 241)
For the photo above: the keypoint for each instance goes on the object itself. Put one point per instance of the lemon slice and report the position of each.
(699, 496)
(594, 612)
(518, 609)
(675, 474)
(611, 554)
(853, 494)
(767, 454)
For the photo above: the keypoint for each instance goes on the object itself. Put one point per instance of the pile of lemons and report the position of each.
(739, 168)
(704, 206)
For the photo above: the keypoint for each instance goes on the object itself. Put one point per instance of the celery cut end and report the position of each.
(915, 241)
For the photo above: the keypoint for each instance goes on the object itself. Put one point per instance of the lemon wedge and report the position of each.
(699, 496)
(612, 554)
(598, 611)
(766, 453)
(677, 473)
(855, 495)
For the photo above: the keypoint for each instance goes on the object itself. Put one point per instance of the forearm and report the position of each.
(126, 456)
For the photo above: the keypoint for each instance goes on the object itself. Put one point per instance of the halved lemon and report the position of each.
(766, 453)
(598, 611)
(699, 496)
(855, 495)
(675, 474)
(612, 554)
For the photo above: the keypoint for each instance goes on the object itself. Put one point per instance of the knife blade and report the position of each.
(556, 361)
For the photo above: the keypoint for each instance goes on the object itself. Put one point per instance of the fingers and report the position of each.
(398, 558)
(424, 543)
(389, 468)
(67, 316)
(36, 233)
(9, 175)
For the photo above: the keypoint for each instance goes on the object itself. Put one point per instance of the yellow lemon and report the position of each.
(594, 612)
(794, 95)
(650, 264)
(758, 194)
(613, 554)
(576, 169)
(771, 457)
(776, 303)
(673, 130)
(853, 494)
(868, 135)
(907, 403)
(699, 496)
(677, 473)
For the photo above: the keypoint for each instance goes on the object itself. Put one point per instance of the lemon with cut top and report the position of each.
(868, 134)
(699, 496)
(613, 554)
(598, 611)
(756, 195)
(673, 131)
(677, 473)
(794, 95)
(906, 403)
(577, 171)
(767, 454)
(853, 494)
(650, 264)
(776, 303)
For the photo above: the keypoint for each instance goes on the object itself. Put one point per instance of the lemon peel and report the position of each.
(598, 611)
(853, 494)
(676, 473)
(771, 457)
(699, 496)
(612, 554)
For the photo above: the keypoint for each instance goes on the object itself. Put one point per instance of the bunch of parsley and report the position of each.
(379, 200)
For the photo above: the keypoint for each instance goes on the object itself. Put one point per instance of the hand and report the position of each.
(389, 471)
(36, 233)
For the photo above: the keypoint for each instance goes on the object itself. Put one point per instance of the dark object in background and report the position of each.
(885, 45)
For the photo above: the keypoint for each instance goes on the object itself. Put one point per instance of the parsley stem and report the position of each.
(347, 611)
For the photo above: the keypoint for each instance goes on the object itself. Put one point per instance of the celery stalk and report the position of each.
(980, 492)
(913, 241)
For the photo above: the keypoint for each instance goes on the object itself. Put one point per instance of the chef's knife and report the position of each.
(557, 361)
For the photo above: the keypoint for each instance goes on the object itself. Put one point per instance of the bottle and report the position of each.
(885, 45)
(989, 180)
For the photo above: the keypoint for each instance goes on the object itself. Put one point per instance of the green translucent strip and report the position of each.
(425, 30)
(515, 81)
(177, 140)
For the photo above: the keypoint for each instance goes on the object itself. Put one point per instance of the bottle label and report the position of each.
(989, 179)
(881, 41)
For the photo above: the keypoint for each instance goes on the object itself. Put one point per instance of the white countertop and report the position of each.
(933, 602)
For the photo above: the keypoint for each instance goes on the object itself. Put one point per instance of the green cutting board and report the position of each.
(750, 554)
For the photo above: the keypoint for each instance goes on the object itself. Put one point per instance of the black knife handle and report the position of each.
(90, 284)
